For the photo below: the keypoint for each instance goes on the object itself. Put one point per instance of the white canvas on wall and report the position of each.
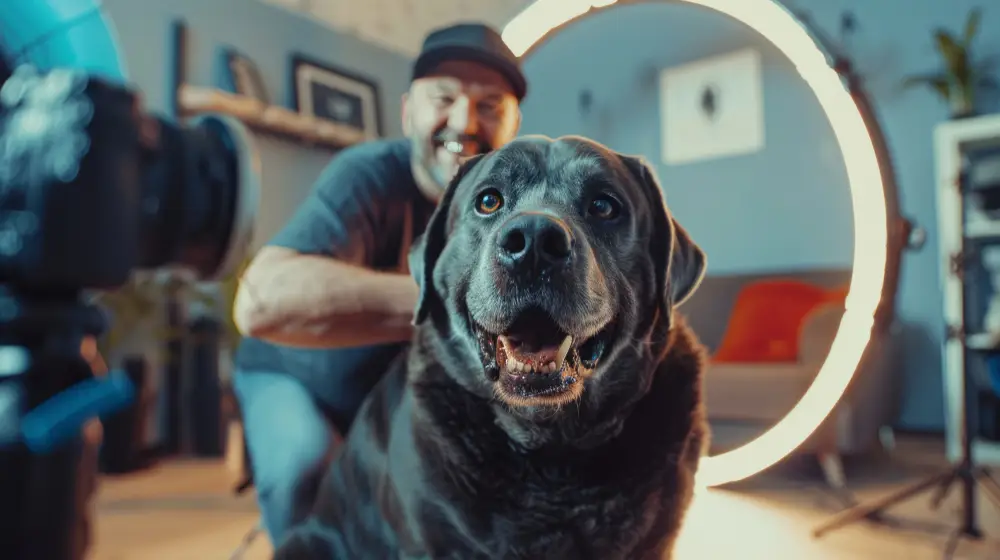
(712, 108)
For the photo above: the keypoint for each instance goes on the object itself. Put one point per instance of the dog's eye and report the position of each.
(604, 207)
(489, 201)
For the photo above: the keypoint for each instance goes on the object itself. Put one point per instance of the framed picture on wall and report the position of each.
(244, 76)
(326, 92)
(712, 108)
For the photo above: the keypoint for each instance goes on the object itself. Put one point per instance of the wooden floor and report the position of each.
(183, 510)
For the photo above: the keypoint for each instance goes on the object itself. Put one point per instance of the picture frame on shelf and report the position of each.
(332, 94)
(244, 77)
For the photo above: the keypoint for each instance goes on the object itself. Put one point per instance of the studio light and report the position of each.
(786, 32)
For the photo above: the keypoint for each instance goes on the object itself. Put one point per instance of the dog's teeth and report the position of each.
(515, 366)
(567, 343)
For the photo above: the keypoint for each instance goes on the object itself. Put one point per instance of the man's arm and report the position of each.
(312, 285)
(296, 299)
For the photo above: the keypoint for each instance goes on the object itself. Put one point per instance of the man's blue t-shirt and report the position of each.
(365, 209)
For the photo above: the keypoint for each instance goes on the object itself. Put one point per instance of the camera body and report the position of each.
(92, 188)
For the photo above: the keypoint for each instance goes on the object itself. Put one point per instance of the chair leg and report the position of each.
(887, 439)
(833, 472)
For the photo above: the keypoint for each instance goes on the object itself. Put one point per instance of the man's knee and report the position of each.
(288, 438)
(286, 472)
(284, 466)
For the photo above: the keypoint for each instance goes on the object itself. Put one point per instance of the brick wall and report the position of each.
(401, 25)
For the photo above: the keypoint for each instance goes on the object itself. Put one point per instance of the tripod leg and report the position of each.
(867, 510)
(833, 472)
(951, 545)
(943, 490)
(990, 485)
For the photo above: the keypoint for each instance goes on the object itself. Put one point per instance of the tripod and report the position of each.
(965, 472)
(47, 392)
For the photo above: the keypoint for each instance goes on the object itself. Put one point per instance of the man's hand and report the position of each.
(293, 299)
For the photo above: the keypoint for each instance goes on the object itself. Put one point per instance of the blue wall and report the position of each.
(268, 35)
(786, 207)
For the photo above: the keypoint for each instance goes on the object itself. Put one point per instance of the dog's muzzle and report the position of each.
(533, 356)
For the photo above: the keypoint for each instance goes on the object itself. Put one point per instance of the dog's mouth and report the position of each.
(535, 362)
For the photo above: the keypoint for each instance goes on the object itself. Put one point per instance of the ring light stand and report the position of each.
(879, 231)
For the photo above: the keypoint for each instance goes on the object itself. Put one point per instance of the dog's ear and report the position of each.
(679, 263)
(427, 248)
(687, 265)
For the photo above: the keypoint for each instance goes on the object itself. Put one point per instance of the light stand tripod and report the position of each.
(964, 472)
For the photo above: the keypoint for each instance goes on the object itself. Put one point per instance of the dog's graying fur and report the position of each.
(440, 463)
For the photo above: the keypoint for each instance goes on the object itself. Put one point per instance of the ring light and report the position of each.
(868, 199)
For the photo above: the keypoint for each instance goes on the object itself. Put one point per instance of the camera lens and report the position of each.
(199, 196)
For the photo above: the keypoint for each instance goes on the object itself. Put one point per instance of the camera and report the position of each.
(92, 189)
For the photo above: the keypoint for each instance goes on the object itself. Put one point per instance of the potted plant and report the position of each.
(132, 310)
(215, 339)
(134, 313)
(962, 75)
(217, 299)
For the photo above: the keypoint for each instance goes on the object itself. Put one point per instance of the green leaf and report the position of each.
(937, 82)
(972, 25)
(955, 56)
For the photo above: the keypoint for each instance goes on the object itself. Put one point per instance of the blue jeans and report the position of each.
(290, 442)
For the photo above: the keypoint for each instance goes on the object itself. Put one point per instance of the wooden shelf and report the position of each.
(273, 119)
(983, 341)
(984, 452)
(983, 230)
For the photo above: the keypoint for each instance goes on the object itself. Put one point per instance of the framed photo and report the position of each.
(332, 94)
(712, 108)
(244, 76)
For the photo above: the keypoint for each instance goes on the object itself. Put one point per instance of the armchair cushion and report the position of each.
(819, 328)
(765, 322)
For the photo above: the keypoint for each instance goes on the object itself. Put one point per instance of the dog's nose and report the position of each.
(535, 240)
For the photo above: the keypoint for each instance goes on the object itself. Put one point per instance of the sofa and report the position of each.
(768, 335)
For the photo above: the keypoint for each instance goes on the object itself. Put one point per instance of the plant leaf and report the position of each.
(972, 25)
(937, 82)
(955, 56)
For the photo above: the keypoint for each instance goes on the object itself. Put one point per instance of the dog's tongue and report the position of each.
(527, 358)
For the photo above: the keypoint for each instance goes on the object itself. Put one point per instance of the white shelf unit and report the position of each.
(958, 227)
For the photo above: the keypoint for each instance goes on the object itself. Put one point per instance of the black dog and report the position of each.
(550, 404)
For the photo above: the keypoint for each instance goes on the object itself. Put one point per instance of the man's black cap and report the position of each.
(474, 42)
